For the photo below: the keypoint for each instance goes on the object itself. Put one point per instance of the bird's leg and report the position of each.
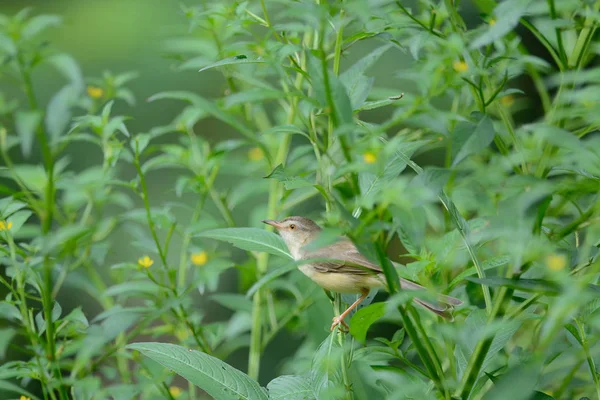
(340, 320)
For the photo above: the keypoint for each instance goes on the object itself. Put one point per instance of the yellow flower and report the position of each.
(369, 157)
(4, 225)
(507, 101)
(492, 22)
(255, 154)
(175, 391)
(199, 258)
(556, 262)
(145, 262)
(95, 92)
(24, 398)
(460, 66)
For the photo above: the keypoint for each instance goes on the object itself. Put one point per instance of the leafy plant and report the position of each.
(480, 193)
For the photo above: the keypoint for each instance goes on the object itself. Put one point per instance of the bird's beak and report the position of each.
(272, 223)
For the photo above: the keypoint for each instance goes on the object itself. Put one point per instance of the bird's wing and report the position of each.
(346, 260)
(349, 260)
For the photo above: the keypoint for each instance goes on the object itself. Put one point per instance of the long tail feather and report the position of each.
(439, 309)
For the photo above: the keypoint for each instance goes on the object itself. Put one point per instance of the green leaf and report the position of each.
(9, 311)
(476, 328)
(26, 123)
(372, 105)
(218, 379)
(364, 318)
(88, 388)
(117, 320)
(77, 316)
(6, 336)
(470, 138)
(58, 114)
(38, 23)
(18, 219)
(507, 15)
(289, 182)
(371, 184)
(133, 288)
(517, 384)
(356, 83)
(290, 387)
(330, 93)
(325, 374)
(208, 107)
(67, 66)
(11, 387)
(63, 235)
(292, 129)
(269, 277)
(488, 264)
(556, 136)
(239, 59)
(233, 301)
(40, 317)
(571, 328)
(526, 285)
(250, 239)
(252, 96)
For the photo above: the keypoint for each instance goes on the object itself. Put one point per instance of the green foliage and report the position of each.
(486, 188)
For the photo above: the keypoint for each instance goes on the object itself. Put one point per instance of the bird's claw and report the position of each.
(340, 321)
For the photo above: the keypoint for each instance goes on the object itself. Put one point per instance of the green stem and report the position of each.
(542, 39)
(584, 39)
(149, 218)
(559, 40)
(409, 15)
(590, 359)
(339, 40)
(424, 355)
(222, 207)
(185, 242)
(575, 224)
(481, 349)
(46, 218)
(182, 315)
(337, 306)
(275, 191)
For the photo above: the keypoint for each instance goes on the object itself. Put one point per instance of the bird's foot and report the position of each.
(340, 321)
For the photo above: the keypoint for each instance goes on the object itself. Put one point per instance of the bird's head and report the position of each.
(295, 231)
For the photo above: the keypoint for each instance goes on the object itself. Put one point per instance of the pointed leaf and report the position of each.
(290, 387)
(250, 239)
(469, 138)
(26, 123)
(363, 319)
(488, 264)
(239, 59)
(218, 379)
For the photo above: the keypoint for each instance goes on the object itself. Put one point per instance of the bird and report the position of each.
(345, 269)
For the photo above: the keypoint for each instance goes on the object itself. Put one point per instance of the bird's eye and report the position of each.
(292, 226)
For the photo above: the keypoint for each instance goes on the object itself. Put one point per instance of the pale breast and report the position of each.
(340, 282)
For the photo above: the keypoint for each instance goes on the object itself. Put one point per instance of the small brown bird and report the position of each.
(346, 271)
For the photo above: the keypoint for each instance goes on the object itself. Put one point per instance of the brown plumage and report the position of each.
(346, 270)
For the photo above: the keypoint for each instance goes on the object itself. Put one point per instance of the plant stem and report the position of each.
(182, 314)
(559, 41)
(337, 306)
(590, 359)
(46, 219)
(275, 192)
(478, 357)
(584, 39)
